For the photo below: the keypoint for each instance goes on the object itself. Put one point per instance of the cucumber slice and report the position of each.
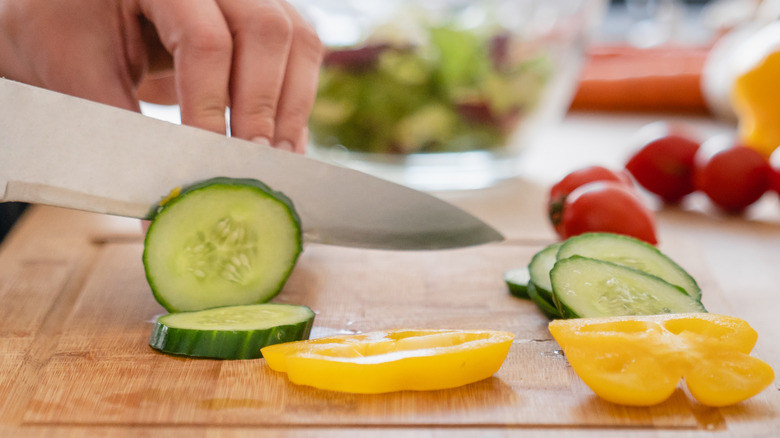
(539, 268)
(585, 287)
(547, 308)
(517, 282)
(233, 332)
(219, 243)
(631, 252)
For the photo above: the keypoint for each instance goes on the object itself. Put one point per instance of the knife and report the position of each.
(70, 152)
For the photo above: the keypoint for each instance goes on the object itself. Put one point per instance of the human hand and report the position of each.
(260, 57)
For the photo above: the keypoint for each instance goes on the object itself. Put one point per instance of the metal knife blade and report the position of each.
(70, 152)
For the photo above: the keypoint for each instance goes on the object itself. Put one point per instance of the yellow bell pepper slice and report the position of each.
(755, 97)
(394, 360)
(639, 360)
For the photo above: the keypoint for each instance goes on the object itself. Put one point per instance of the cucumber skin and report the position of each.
(226, 181)
(547, 308)
(224, 344)
(516, 289)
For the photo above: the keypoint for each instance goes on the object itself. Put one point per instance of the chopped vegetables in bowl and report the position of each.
(462, 92)
(444, 84)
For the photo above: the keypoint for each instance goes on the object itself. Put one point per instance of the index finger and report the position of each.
(197, 36)
(262, 37)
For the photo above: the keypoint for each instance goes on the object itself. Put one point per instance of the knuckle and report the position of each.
(251, 119)
(208, 39)
(309, 43)
(208, 106)
(261, 109)
(292, 118)
(208, 115)
(269, 24)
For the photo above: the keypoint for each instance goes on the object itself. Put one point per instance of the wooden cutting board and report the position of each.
(78, 313)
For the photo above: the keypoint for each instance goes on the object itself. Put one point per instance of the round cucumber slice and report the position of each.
(585, 287)
(219, 243)
(233, 332)
(631, 252)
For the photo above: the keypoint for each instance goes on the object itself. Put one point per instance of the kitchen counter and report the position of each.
(77, 313)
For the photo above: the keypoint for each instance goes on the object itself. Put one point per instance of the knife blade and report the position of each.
(70, 152)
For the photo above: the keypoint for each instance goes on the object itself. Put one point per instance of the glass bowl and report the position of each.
(443, 94)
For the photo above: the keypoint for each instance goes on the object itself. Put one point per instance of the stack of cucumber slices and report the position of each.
(214, 255)
(605, 274)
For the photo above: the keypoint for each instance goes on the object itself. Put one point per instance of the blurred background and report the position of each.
(647, 23)
(449, 94)
(640, 42)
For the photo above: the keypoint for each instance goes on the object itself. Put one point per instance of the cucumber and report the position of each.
(521, 286)
(539, 268)
(517, 281)
(631, 252)
(547, 308)
(586, 287)
(219, 243)
(232, 332)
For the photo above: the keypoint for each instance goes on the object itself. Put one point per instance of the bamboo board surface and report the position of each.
(74, 358)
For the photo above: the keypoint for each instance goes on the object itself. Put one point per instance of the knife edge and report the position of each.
(61, 197)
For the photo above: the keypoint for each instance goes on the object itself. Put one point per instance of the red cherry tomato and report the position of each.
(665, 167)
(561, 190)
(776, 181)
(608, 207)
(734, 178)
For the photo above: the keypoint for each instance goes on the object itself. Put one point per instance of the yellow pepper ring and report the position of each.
(639, 360)
(393, 360)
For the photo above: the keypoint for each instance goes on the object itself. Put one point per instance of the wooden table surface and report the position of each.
(77, 313)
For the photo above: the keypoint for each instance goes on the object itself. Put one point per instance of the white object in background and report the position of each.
(736, 52)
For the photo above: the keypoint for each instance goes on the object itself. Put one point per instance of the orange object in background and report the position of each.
(639, 360)
(623, 78)
(756, 100)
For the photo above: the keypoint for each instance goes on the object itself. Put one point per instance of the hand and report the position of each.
(260, 57)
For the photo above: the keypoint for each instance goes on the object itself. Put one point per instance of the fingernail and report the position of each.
(262, 140)
(285, 146)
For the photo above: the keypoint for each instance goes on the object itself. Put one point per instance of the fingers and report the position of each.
(262, 35)
(276, 61)
(43, 43)
(159, 90)
(259, 55)
(300, 84)
(197, 36)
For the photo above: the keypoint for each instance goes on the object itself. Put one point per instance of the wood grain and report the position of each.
(76, 360)
(102, 371)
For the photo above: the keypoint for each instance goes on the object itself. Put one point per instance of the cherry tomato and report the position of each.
(665, 167)
(561, 190)
(776, 181)
(734, 178)
(608, 207)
